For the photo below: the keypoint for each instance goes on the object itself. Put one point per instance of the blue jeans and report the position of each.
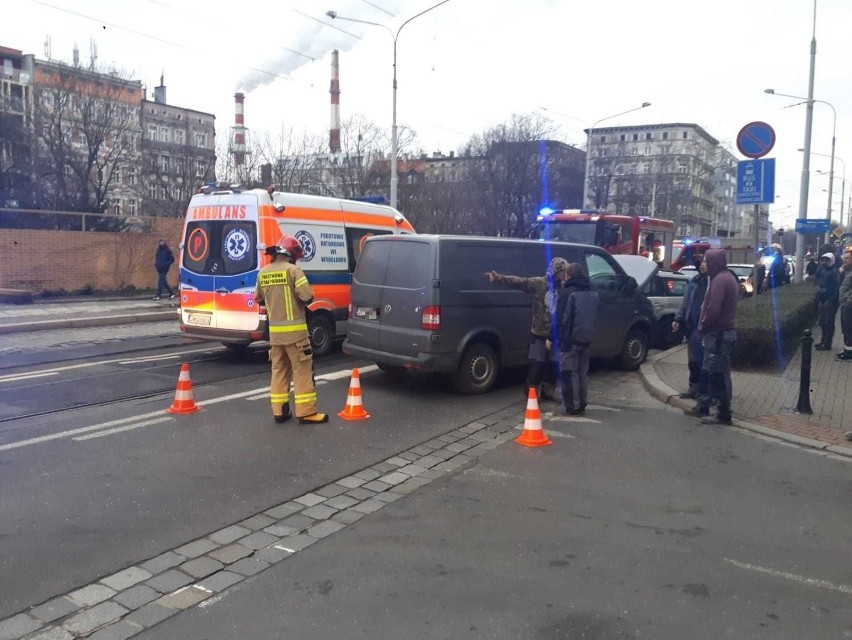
(163, 283)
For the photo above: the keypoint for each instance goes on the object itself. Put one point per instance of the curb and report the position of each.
(664, 393)
(80, 323)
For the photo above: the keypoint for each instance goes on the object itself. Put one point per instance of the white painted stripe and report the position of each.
(28, 376)
(278, 546)
(345, 373)
(128, 427)
(262, 396)
(150, 359)
(811, 582)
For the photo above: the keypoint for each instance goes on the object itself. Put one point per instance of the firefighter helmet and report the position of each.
(288, 246)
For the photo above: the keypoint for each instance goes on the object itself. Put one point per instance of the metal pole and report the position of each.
(806, 160)
(394, 180)
(804, 404)
(756, 240)
(831, 176)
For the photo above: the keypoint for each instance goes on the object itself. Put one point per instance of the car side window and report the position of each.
(675, 287)
(602, 275)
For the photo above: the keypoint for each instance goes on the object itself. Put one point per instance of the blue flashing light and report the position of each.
(546, 211)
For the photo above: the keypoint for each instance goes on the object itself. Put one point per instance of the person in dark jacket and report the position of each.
(810, 267)
(162, 263)
(846, 306)
(688, 316)
(828, 298)
(577, 319)
(716, 326)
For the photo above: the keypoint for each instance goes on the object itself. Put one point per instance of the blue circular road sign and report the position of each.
(756, 139)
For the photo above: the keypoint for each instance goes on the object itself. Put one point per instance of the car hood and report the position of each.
(641, 269)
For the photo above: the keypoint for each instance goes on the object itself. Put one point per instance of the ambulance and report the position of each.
(222, 250)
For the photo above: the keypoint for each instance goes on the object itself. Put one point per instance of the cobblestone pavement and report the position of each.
(41, 340)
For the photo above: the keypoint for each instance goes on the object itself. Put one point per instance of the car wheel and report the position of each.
(321, 333)
(634, 351)
(667, 337)
(477, 370)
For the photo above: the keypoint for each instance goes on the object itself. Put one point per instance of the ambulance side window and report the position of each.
(355, 239)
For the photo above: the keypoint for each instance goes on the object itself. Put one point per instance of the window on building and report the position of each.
(161, 192)
(131, 206)
(131, 176)
(116, 206)
(647, 136)
(152, 132)
(622, 137)
(686, 135)
(200, 169)
(603, 138)
(180, 137)
(201, 140)
(164, 164)
(665, 135)
(648, 150)
(164, 134)
(152, 191)
(635, 137)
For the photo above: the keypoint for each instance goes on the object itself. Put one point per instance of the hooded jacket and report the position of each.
(719, 311)
(164, 259)
(690, 308)
(828, 284)
(577, 313)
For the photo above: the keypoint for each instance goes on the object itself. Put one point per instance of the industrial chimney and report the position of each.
(334, 133)
(239, 147)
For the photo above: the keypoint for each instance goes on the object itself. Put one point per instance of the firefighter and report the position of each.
(283, 288)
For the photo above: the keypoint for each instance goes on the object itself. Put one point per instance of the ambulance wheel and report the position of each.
(321, 333)
(477, 370)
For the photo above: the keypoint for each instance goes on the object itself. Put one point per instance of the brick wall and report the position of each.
(39, 260)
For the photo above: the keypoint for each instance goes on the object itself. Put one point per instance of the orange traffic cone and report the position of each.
(533, 435)
(354, 409)
(183, 402)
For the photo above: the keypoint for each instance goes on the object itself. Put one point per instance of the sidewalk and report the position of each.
(763, 401)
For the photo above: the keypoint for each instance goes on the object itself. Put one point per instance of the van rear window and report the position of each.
(405, 265)
(372, 263)
(220, 247)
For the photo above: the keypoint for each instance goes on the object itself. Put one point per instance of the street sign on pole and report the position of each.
(817, 225)
(756, 181)
(756, 139)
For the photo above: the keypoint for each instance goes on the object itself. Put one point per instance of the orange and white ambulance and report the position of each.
(222, 250)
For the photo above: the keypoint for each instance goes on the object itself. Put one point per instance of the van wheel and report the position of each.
(634, 351)
(477, 370)
(666, 336)
(321, 333)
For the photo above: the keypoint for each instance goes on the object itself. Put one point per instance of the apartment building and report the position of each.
(16, 112)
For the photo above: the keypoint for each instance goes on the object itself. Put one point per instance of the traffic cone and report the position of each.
(533, 435)
(183, 402)
(354, 409)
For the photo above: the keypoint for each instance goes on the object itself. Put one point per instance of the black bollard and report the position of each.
(804, 404)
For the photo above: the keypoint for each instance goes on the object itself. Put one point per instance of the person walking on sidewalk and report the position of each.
(828, 298)
(283, 288)
(716, 327)
(162, 263)
(577, 319)
(688, 315)
(542, 288)
(845, 298)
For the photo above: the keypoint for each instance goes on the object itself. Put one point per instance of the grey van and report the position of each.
(424, 303)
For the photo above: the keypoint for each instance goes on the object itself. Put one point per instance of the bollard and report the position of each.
(804, 404)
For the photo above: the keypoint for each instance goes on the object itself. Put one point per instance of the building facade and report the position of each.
(16, 114)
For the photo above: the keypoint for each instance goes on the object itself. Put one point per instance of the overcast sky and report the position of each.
(469, 64)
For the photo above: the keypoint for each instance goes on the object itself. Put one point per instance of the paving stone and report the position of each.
(229, 534)
(393, 478)
(184, 598)
(54, 609)
(309, 499)
(397, 461)
(320, 512)
(325, 528)
(347, 517)
(220, 581)
(272, 554)
(88, 621)
(441, 441)
(257, 522)
(430, 461)
(409, 456)
(196, 548)
(18, 626)
(368, 506)
(480, 449)
(412, 470)
(297, 542)
(409, 486)
(340, 502)
(127, 578)
(298, 521)
(121, 630)
(169, 581)
(360, 493)
(137, 596)
(442, 454)
(231, 553)
(91, 595)
(421, 450)
(367, 474)
(331, 490)
(351, 482)
(430, 474)
(388, 496)
(248, 566)
(53, 633)
(151, 614)
(281, 530)
(201, 567)
(258, 540)
(377, 485)
(383, 467)
(284, 510)
(162, 563)
(458, 447)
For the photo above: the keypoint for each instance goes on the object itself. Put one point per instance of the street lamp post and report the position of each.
(588, 180)
(394, 181)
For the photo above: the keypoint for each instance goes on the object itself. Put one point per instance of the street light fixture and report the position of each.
(394, 172)
(833, 140)
(587, 181)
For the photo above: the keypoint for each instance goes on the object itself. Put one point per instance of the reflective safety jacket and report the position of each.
(284, 289)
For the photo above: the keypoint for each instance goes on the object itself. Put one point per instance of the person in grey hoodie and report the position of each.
(716, 327)
(577, 319)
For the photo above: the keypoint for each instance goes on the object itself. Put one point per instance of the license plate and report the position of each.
(368, 313)
(199, 318)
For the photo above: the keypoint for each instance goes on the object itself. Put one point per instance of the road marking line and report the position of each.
(278, 546)
(150, 359)
(27, 376)
(260, 397)
(811, 582)
(345, 373)
(128, 427)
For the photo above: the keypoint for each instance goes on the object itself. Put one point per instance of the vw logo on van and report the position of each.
(388, 309)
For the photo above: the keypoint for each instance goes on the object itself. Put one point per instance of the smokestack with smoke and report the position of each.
(239, 147)
(334, 133)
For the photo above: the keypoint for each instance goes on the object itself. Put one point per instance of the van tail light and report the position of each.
(431, 318)
(261, 310)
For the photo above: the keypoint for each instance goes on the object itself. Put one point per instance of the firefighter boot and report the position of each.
(316, 418)
(285, 413)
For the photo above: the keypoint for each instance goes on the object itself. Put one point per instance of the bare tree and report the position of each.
(177, 177)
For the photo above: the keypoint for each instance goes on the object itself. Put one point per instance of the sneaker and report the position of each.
(715, 420)
(155, 298)
(696, 412)
(172, 297)
(316, 418)
(579, 411)
(845, 356)
(688, 395)
(822, 347)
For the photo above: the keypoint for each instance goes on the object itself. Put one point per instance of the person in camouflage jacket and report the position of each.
(543, 309)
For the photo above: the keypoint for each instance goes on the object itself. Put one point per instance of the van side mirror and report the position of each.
(630, 285)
